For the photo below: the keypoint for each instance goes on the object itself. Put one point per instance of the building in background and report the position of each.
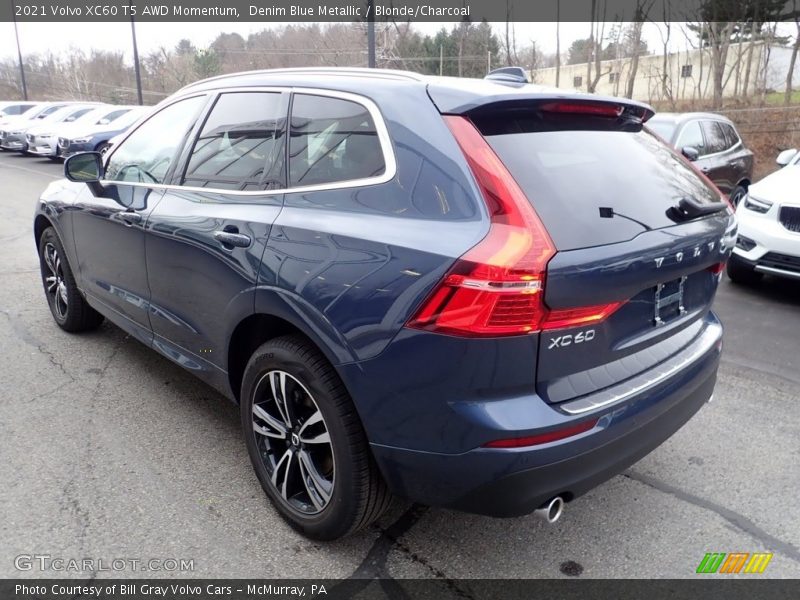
(686, 75)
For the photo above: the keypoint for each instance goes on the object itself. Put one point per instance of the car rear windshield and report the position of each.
(594, 187)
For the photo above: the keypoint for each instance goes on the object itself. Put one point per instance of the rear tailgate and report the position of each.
(607, 192)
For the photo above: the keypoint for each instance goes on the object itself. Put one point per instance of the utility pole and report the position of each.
(19, 53)
(441, 59)
(370, 34)
(136, 64)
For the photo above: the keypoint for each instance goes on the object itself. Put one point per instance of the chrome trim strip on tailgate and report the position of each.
(653, 377)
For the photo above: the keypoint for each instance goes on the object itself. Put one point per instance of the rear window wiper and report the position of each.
(689, 208)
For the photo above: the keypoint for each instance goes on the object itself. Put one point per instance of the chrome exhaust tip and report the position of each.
(551, 511)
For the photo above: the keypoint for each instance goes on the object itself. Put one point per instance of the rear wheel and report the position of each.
(103, 148)
(741, 272)
(306, 441)
(737, 194)
(70, 310)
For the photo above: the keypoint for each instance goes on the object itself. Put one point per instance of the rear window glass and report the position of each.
(332, 140)
(570, 175)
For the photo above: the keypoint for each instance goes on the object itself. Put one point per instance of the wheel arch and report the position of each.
(41, 223)
(255, 330)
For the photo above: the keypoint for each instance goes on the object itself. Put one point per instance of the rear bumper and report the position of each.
(512, 482)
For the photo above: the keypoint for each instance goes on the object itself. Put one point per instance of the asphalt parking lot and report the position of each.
(110, 451)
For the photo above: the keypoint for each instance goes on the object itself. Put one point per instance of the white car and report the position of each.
(42, 140)
(769, 225)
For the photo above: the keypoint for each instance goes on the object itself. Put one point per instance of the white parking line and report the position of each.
(36, 171)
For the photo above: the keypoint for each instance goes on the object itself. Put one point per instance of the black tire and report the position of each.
(357, 495)
(741, 272)
(102, 148)
(737, 194)
(68, 307)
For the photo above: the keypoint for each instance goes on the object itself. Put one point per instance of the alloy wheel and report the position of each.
(294, 442)
(54, 282)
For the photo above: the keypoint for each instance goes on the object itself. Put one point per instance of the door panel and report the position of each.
(110, 216)
(200, 282)
(109, 241)
(204, 248)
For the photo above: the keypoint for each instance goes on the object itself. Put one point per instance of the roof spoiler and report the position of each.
(512, 75)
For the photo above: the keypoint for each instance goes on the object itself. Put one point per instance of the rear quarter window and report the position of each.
(332, 140)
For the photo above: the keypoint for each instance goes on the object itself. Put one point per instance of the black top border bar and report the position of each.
(284, 11)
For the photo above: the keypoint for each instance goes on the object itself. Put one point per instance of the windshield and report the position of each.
(664, 129)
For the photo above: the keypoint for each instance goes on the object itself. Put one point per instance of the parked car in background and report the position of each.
(17, 124)
(98, 137)
(43, 140)
(14, 136)
(15, 109)
(485, 295)
(769, 225)
(713, 144)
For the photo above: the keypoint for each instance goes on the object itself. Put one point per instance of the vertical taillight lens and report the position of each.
(496, 287)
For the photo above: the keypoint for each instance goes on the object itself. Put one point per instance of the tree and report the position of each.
(787, 98)
(579, 50)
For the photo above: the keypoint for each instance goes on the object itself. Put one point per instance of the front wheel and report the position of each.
(737, 194)
(70, 310)
(306, 441)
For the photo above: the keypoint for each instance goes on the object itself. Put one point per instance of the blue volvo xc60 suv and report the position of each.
(478, 294)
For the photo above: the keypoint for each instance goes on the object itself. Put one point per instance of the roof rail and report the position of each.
(342, 71)
(508, 75)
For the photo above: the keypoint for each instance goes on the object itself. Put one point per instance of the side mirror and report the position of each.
(785, 157)
(86, 167)
(690, 152)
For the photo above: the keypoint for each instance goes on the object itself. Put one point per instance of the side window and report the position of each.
(77, 114)
(241, 146)
(730, 135)
(107, 118)
(691, 135)
(146, 155)
(48, 111)
(715, 138)
(332, 140)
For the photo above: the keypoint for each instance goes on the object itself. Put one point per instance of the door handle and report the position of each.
(131, 218)
(231, 239)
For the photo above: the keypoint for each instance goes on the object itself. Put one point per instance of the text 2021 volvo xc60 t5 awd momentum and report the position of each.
(478, 294)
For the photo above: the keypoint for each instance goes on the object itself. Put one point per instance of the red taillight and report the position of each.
(596, 109)
(497, 287)
(542, 438)
(575, 317)
(717, 268)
